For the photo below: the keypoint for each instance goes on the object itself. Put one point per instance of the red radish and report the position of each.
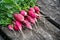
(23, 12)
(18, 17)
(31, 19)
(16, 28)
(32, 14)
(10, 27)
(37, 10)
(32, 9)
(19, 24)
(28, 25)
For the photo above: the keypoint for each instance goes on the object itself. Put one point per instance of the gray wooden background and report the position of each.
(51, 8)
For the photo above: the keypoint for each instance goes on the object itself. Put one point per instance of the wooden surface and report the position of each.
(45, 31)
(51, 8)
(1, 38)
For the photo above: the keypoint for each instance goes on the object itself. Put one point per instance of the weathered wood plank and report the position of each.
(1, 38)
(45, 31)
(50, 8)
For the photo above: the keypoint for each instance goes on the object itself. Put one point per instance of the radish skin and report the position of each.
(32, 9)
(37, 10)
(19, 17)
(28, 25)
(16, 28)
(30, 19)
(23, 12)
(32, 14)
(19, 25)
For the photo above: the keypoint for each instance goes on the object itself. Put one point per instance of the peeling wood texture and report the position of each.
(45, 31)
(51, 8)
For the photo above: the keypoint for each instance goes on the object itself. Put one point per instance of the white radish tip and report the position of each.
(20, 28)
(35, 19)
(30, 27)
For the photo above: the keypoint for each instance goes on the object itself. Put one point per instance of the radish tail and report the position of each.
(22, 33)
(15, 33)
(35, 25)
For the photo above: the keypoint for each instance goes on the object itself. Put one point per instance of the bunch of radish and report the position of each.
(25, 17)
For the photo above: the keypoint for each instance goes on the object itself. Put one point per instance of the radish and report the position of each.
(32, 9)
(37, 10)
(31, 19)
(18, 17)
(16, 28)
(28, 25)
(32, 14)
(19, 25)
(23, 12)
(10, 27)
(37, 17)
